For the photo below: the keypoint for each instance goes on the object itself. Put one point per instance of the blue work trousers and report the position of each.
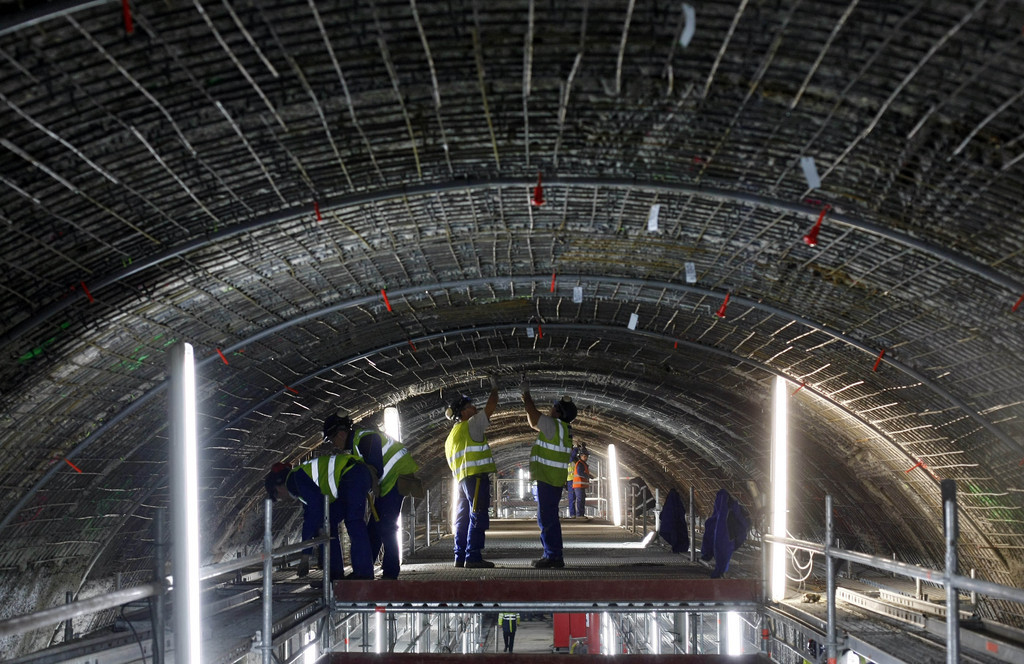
(385, 532)
(547, 517)
(471, 518)
(580, 494)
(349, 507)
(572, 499)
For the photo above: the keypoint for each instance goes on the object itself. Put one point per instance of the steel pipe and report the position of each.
(267, 638)
(48, 617)
(988, 588)
(830, 583)
(547, 607)
(952, 529)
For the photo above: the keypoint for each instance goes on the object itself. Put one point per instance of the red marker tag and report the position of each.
(552, 282)
(129, 27)
(222, 356)
(72, 465)
(87, 293)
(721, 310)
(540, 332)
(291, 389)
(879, 360)
(316, 208)
(412, 345)
(385, 295)
(799, 388)
(919, 464)
(1017, 306)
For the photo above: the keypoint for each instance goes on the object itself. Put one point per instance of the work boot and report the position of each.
(549, 563)
(479, 564)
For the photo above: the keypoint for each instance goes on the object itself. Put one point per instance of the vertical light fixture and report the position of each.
(393, 430)
(378, 623)
(613, 486)
(392, 424)
(185, 501)
(734, 634)
(401, 536)
(522, 484)
(780, 481)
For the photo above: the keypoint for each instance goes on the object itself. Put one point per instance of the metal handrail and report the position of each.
(937, 577)
(48, 617)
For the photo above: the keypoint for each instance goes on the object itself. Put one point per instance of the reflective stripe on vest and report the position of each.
(549, 458)
(396, 459)
(326, 472)
(467, 457)
(580, 480)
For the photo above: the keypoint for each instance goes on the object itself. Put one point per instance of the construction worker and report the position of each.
(345, 481)
(549, 458)
(509, 622)
(470, 460)
(581, 482)
(390, 461)
(569, 490)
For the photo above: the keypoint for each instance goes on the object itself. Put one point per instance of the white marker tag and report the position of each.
(810, 172)
(652, 217)
(690, 27)
(577, 294)
(633, 320)
(691, 273)
(529, 333)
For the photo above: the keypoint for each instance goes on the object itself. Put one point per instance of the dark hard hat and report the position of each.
(335, 423)
(566, 409)
(455, 410)
(275, 478)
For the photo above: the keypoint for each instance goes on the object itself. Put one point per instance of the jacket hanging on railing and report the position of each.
(673, 523)
(724, 532)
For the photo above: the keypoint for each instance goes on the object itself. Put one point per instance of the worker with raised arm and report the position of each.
(470, 460)
(549, 459)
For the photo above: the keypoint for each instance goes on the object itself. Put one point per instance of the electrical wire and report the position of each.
(809, 566)
(134, 633)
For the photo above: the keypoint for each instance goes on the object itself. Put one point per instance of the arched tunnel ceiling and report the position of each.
(333, 204)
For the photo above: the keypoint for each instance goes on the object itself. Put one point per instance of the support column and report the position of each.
(679, 631)
(325, 560)
(693, 527)
(830, 584)
(952, 594)
(428, 517)
(266, 638)
(159, 575)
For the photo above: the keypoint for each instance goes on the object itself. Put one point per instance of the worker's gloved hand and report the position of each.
(303, 568)
(524, 386)
(494, 382)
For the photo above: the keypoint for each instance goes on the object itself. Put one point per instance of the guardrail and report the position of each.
(947, 578)
(47, 618)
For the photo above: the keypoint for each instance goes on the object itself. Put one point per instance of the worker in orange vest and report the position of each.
(580, 481)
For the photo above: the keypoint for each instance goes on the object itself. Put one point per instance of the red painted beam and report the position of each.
(499, 591)
(541, 658)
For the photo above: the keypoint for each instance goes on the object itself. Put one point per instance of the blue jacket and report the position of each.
(724, 532)
(673, 523)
